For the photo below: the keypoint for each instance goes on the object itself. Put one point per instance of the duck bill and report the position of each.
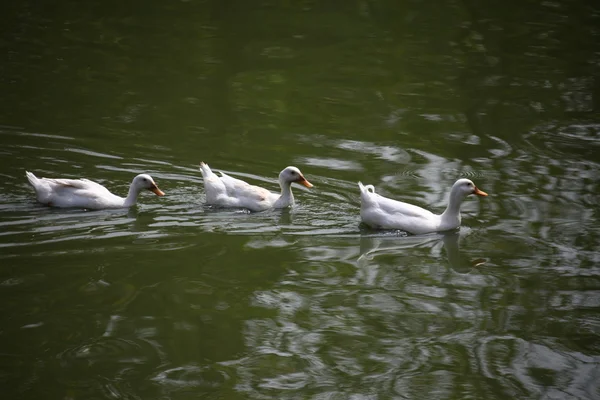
(479, 192)
(157, 191)
(304, 182)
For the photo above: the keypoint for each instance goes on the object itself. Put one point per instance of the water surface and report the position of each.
(174, 299)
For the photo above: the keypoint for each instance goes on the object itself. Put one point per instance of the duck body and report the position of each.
(84, 193)
(380, 212)
(226, 191)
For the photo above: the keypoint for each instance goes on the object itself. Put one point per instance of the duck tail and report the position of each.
(366, 189)
(366, 193)
(31, 178)
(205, 170)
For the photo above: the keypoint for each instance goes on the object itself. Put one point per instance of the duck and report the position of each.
(84, 193)
(228, 192)
(380, 212)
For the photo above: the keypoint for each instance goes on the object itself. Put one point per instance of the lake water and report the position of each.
(173, 299)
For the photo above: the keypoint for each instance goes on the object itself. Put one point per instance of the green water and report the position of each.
(175, 300)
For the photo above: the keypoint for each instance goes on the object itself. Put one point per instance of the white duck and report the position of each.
(225, 191)
(83, 193)
(380, 212)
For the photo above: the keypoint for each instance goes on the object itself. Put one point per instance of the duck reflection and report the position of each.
(459, 261)
(397, 243)
(132, 212)
(285, 217)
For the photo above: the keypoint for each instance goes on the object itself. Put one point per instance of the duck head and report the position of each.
(145, 181)
(466, 187)
(293, 174)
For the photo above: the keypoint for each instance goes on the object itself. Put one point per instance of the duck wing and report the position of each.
(397, 208)
(244, 191)
(76, 187)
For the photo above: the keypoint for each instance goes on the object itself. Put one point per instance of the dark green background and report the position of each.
(174, 300)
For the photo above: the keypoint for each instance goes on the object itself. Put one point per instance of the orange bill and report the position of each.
(479, 192)
(304, 182)
(157, 191)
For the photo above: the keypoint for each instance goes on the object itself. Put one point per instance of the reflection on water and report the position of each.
(282, 303)
(176, 300)
(397, 316)
(379, 245)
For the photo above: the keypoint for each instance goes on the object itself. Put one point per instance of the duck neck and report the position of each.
(287, 197)
(451, 215)
(132, 196)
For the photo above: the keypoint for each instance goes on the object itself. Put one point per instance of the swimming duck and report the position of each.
(225, 191)
(382, 213)
(83, 193)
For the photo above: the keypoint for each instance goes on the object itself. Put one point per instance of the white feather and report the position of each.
(83, 193)
(383, 213)
(226, 191)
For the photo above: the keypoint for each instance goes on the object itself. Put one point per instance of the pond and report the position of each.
(174, 299)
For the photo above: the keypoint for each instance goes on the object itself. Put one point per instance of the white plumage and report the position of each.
(383, 213)
(226, 191)
(83, 193)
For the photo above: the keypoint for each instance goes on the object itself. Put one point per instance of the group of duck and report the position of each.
(376, 211)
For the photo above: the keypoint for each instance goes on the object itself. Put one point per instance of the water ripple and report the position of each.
(343, 312)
